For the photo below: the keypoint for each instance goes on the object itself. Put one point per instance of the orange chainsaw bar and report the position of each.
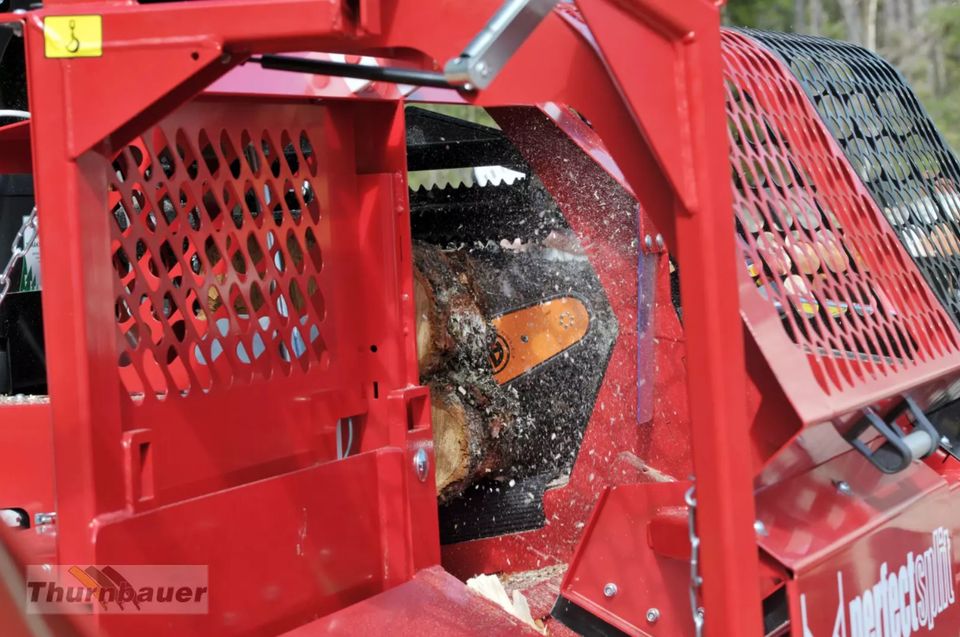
(533, 335)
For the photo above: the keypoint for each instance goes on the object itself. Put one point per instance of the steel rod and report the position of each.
(392, 74)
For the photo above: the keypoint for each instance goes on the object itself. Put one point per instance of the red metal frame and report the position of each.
(650, 84)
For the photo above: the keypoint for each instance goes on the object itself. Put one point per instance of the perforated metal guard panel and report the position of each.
(828, 280)
(893, 145)
(216, 250)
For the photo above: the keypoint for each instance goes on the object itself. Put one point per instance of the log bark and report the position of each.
(474, 418)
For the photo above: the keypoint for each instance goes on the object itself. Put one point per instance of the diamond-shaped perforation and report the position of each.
(894, 146)
(218, 269)
(814, 242)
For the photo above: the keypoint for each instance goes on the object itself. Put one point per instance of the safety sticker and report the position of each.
(73, 36)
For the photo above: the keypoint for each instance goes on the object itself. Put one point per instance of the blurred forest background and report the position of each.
(920, 37)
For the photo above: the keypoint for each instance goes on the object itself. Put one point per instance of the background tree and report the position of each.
(920, 37)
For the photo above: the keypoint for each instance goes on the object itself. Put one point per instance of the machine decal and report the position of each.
(533, 335)
(73, 36)
(903, 599)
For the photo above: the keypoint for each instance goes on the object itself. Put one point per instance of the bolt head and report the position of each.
(42, 519)
(844, 488)
(659, 240)
(609, 590)
(653, 614)
(946, 442)
(648, 242)
(760, 528)
(421, 464)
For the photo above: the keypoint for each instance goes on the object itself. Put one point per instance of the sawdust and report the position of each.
(524, 580)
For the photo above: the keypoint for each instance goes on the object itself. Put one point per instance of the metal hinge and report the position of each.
(898, 449)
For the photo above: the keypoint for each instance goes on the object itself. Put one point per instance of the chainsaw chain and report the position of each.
(18, 252)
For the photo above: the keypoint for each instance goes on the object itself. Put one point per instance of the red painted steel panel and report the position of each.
(839, 546)
(616, 549)
(26, 471)
(235, 341)
(432, 603)
(280, 551)
(15, 141)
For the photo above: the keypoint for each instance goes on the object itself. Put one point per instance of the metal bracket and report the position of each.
(899, 449)
(490, 50)
(475, 68)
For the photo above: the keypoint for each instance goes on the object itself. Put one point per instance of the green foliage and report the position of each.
(945, 108)
(925, 47)
(473, 114)
(769, 15)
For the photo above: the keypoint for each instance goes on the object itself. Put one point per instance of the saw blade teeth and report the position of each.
(465, 179)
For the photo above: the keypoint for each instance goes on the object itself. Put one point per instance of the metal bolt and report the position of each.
(648, 242)
(946, 442)
(421, 463)
(40, 519)
(844, 488)
(760, 528)
(659, 241)
(609, 590)
(653, 614)
(482, 69)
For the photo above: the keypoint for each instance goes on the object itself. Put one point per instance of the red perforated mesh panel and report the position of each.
(216, 239)
(823, 262)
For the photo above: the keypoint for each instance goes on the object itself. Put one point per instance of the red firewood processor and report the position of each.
(415, 317)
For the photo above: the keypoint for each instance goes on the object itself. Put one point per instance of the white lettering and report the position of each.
(903, 599)
(903, 603)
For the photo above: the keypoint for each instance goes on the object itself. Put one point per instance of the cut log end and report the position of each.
(429, 329)
(451, 446)
(461, 439)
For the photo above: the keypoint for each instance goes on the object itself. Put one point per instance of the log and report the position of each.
(431, 334)
(461, 440)
(474, 419)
